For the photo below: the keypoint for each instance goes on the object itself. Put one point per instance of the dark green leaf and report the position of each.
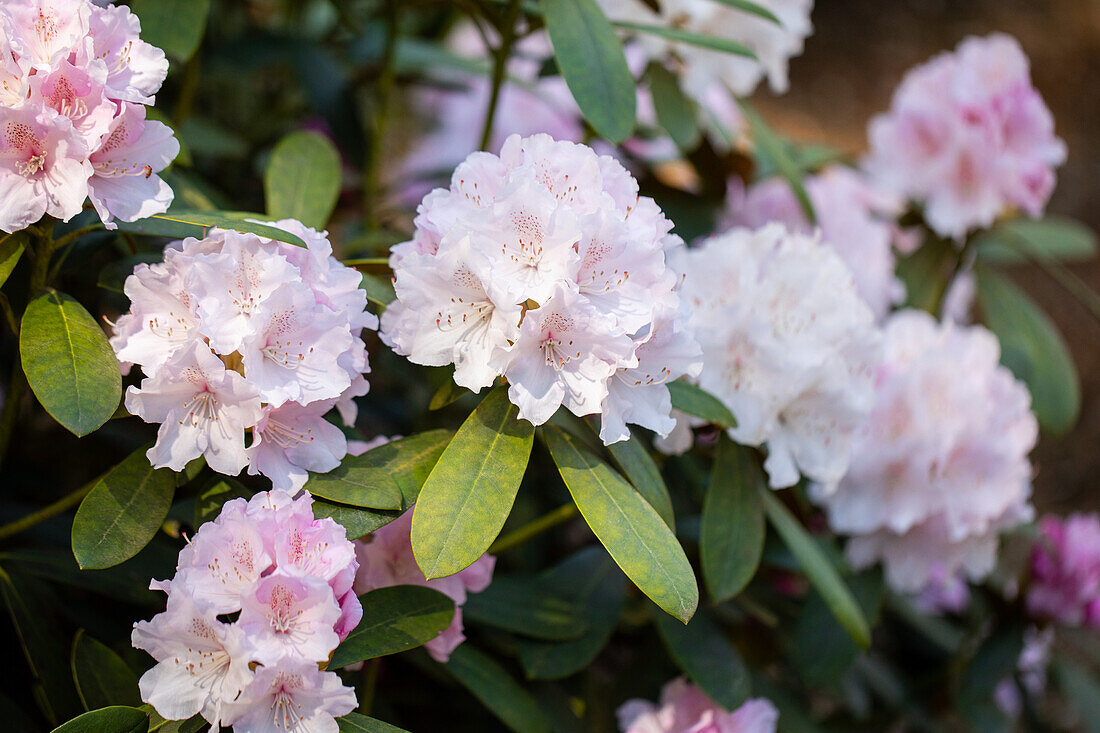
(113, 275)
(209, 504)
(821, 574)
(11, 249)
(822, 652)
(176, 26)
(379, 291)
(395, 619)
(470, 491)
(703, 652)
(447, 394)
(1033, 349)
(731, 538)
(631, 530)
(1053, 238)
(122, 513)
(523, 606)
(356, 723)
(679, 35)
(496, 690)
(924, 273)
(101, 677)
(677, 114)
(768, 144)
(696, 401)
(355, 521)
(116, 719)
(1083, 691)
(751, 7)
(69, 363)
(639, 467)
(994, 661)
(302, 180)
(206, 137)
(183, 223)
(591, 61)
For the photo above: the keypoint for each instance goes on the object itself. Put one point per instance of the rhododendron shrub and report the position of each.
(710, 412)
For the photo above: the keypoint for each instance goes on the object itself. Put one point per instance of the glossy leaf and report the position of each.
(115, 719)
(101, 677)
(69, 363)
(122, 513)
(182, 223)
(379, 291)
(1033, 349)
(631, 530)
(302, 180)
(470, 491)
(395, 619)
(590, 58)
(497, 691)
(731, 538)
(356, 723)
(523, 606)
(819, 571)
(1051, 238)
(11, 249)
(703, 652)
(639, 466)
(693, 400)
(176, 26)
(209, 504)
(678, 115)
(679, 35)
(356, 522)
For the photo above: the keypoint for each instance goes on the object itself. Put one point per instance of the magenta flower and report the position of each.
(1065, 570)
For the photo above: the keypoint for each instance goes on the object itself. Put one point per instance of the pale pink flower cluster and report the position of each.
(968, 137)
(237, 332)
(788, 346)
(941, 465)
(543, 265)
(685, 708)
(855, 218)
(75, 80)
(289, 578)
(386, 558)
(1065, 570)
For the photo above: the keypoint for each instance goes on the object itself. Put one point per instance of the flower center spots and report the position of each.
(45, 26)
(596, 278)
(286, 713)
(558, 350)
(286, 352)
(201, 629)
(281, 609)
(284, 436)
(65, 100)
(201, 408)
(170, 326)
(530, 234)
(246, 279)
(21, 139)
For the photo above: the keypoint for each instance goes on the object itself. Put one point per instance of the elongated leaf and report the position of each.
(356, 723)
(590, 58)
(497, 691)
(470, 491)
(639, 467)
(924, 273)
(523, 606)
(302, 180)
(703, 652)
(122, 513)
(731, 539)
(768, 144)
(751, 7)
(177, 26)
(101, 677)
(1033, 349)
(11, 249)
(696, 401)
(356, 522)
(209, 504)
(819, 571)
(115, 719)
(631, 530)
(1052, 238)
(821, 651)
(1083, 692)
(379, 291)
(181, 223)
(679, 35)
(677, 114)
(395, 619)
(69, 363)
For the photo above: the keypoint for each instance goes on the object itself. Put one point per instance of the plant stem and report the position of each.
(962, 263)
(534, 528)
(500, 63)
(370, 681)
(383, 92)
(47, 512)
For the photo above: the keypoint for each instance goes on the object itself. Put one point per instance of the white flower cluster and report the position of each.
(543, 265)
(74, 82)
(788, 345)
(236, 332)
(289, 577)
(941, 464)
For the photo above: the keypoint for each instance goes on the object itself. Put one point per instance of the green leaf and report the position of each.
(177, 26)
(639, 467)
(115, 719)
(355, 521)
(821, 574)
(769, 144)
(69, 363)
(11, 249)
(122, 513)
(523, 606)
(704, 653)
(209, 504)
(379, 291)
(631, 530)
(1083, 691)
(693, 400)
(751, 7)
(994, 660)
(592, 582)
(497, 691)
(395, 619)
(357, 485)
(470, 491)
(590, 58)
(679, 35)
(924, 273)
(302, 180)
(822, 652)
(731, 539)
(356, 723)
(1033, 349)
(677, 114)
(182, 223)
(1053, 238)
(101, 677)
(447, 394)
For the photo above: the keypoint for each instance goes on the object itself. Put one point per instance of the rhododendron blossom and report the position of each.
(236, 332)
(543, 265)
(289, 575)
(968, 137)
(74, 81)
(1065, 570)
(386, 558)
(788, 345)
(685, 708)
(941, 465)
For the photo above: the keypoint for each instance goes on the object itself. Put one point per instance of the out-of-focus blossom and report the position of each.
(685, 708)
(1032, 667)
(941, 465)
(788, 345)
(1065, 570)
(968, 137)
